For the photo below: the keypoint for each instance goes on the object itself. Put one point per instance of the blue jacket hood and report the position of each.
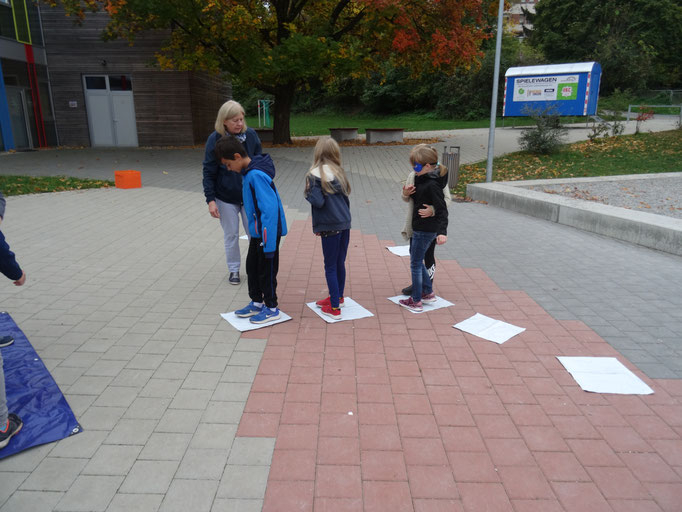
(263, 163)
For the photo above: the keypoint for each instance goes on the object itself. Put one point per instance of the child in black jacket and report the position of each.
(427, 190)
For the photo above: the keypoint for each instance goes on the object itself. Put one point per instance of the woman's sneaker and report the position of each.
(265, 316)
(330, 311)
(412, 305)
(428, 298)
(249, 310)
(12, 428)
(328, 302)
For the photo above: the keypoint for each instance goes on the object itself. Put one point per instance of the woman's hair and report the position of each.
(425, 154)
(229, 110)
(327, 152)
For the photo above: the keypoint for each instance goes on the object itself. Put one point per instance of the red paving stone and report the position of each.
(401, 412)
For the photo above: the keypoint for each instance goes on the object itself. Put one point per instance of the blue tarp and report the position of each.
(32, 394)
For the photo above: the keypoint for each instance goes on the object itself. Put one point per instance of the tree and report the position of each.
(279, 46)
(635, 42)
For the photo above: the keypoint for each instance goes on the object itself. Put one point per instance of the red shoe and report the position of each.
(330, 311)
(408, 303)
(327, 302)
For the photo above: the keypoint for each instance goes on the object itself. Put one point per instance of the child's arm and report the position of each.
(268, 205)
(314, 195)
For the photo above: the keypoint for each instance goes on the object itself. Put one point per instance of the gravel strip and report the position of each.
(662, 196)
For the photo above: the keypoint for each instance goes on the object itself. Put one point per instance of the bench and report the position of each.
(341, 134)
(384, 135)
(265, 134)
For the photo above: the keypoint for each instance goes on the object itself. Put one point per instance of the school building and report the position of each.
(62, 85)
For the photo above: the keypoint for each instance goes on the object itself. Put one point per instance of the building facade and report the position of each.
(26, 115)
(100, 93)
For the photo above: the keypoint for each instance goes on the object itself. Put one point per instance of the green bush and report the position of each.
(548, 135)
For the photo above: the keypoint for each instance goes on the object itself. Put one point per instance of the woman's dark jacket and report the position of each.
(219, 183)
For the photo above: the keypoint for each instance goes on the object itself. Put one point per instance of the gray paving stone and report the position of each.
(54, 474)
(232, 392)
(252, 451)
(165, 446)
(243, 482)
(147, 408)
(11, 481)
(179, 421)
(203, 464)
(184, 495)
(131, 432)
(90, 494)
(135, 502)
(149, 477)
(81, 446)
(219, 436)
(223, 412)
(112, 460)
(101, 418)
(35, 501)
(236, 505)
(161, 388)
(116, 396)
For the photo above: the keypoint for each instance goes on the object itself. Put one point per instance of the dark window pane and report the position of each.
(95, 82)
(120, 83)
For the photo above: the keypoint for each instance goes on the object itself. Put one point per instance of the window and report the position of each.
(96, 82)
(120, 83)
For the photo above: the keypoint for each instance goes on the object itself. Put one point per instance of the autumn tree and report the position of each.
(279, 46)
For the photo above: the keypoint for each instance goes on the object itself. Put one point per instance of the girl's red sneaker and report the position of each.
(327, 302)
(330, 311)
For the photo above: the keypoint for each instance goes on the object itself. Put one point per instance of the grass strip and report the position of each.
(18, 185)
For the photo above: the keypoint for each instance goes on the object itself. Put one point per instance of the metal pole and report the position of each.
(493, 106)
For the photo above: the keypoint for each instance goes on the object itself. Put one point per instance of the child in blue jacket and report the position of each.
(267, 224)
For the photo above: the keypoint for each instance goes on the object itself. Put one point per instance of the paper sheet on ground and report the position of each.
(351, 310)
(604, 375)
(489, 328)
(244, 324)
(440, 303)
(244, 237)
(399, 250)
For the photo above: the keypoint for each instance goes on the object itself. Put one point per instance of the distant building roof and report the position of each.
(547, 69)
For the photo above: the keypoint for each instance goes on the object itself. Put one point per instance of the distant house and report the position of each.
(518, 18)
(103, 94)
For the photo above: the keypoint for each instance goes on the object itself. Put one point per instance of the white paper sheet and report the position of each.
(604, 375)
(440, 303)
(489, 328)
(244, 324)
(399, 250)
(244, 237)
(351, 310)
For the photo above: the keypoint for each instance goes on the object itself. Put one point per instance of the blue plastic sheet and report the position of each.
(32, 394)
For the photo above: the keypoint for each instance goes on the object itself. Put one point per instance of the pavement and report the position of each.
(180, 411)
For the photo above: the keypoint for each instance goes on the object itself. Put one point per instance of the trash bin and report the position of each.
(450, 159)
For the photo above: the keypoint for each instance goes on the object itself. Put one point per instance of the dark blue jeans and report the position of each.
(421, 282)
(335, 248)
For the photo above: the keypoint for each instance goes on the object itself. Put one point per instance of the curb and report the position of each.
(641, 228)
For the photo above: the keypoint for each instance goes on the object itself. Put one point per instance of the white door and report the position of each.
(111, 110)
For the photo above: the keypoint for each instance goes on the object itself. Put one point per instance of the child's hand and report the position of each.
(441, 239)
(427, 211)
(21, 280)
(409, 190)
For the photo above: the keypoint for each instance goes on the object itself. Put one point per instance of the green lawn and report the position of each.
(319, 124)
(627, 154)
(18, 185)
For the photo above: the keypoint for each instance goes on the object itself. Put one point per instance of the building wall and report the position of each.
(167, 111)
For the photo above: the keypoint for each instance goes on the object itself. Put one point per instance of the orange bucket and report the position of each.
(128, 179)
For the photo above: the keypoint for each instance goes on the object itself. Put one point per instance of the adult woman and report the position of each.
(222, 188)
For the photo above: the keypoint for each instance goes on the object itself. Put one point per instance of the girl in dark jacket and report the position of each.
(222, 188)
(427, 190)
(327, 190)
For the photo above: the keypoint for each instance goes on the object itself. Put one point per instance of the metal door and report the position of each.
(19, 118)
(111, 110)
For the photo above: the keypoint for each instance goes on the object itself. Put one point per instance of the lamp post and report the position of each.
(493, 106)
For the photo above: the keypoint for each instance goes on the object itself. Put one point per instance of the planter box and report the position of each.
(341, 134)
(384, 135)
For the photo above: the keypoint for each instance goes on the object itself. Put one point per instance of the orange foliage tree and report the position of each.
(278, 46)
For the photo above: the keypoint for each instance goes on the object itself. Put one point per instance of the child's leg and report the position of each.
(252, 277)
(268, 268)
(229, 221)
(430, 260)
(341, 261)
(420, 276)
(330, 250)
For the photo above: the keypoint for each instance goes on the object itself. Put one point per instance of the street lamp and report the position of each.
(493, 106)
